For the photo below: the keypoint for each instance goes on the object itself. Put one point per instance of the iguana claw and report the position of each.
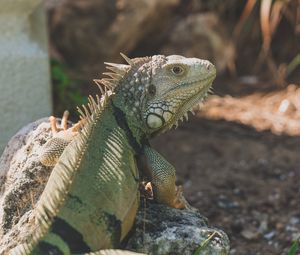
(62, 136)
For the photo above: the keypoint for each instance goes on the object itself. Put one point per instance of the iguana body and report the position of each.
(92, 195)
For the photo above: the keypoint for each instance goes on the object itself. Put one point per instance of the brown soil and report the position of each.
(243, 180)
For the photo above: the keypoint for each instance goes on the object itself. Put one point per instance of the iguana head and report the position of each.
(158, 91)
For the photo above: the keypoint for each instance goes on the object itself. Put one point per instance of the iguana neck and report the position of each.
(130, 120)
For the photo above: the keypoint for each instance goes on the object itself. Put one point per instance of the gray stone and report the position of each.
(22, 180)
(164, 230)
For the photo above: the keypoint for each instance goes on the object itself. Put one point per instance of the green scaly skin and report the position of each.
(92, 196)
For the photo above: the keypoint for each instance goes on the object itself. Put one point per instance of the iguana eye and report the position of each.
(177, 70)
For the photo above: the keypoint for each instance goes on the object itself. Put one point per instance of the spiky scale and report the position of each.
(117, 68)
(108, 83)
(127, 59)
(99, 84)
(113, 75)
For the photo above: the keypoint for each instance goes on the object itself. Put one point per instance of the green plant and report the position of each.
(271, 13)
(204, 244)
(66, 92)
(293, 65)
(294, 248)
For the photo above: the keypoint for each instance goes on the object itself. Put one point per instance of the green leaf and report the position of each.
(293, 65)
(66, 91)
(204, 244)
(294, 247)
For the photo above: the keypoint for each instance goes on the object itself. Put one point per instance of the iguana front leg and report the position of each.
(62, 136)
(162, 176)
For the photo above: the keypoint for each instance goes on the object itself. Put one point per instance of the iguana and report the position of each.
(92, 195)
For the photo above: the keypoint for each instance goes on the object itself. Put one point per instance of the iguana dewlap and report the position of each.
(92, 195)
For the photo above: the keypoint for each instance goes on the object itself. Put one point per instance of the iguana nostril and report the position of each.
(210, 68)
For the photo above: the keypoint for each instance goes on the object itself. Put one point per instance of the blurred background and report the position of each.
(238, 158)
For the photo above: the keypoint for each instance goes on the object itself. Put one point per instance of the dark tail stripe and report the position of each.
(70, 235)
(48, 249)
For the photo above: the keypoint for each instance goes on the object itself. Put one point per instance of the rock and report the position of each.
(159, 229)
(164, 230)
(202, 35)
(103, 29)
(251, 234)
(22, 180)
(270, 235)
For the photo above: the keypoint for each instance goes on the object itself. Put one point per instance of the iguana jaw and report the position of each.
(191, 97)
(194, 100)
